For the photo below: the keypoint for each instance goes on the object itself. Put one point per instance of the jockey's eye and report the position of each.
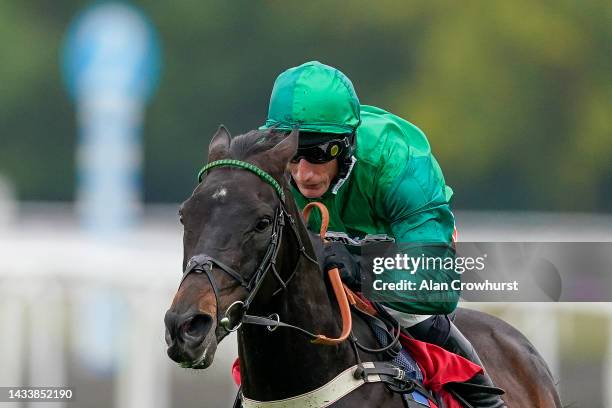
(263, 224)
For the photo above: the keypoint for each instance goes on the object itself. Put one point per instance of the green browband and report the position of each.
(248, 166)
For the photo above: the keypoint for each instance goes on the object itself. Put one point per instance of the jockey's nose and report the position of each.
(188, 328)
(304, 170)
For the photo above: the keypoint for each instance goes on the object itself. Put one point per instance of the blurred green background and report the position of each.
(515, 96)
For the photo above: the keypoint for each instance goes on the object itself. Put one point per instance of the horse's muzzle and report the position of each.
(188, 336)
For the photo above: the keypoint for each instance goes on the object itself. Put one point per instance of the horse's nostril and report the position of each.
(197, 327)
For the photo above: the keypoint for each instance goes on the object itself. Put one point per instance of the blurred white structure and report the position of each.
(47, 264)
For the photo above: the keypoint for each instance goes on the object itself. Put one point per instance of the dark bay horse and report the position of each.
(240, 252)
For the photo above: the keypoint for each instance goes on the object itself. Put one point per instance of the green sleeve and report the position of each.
(417, 209)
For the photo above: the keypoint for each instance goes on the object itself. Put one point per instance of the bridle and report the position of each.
(203, 263)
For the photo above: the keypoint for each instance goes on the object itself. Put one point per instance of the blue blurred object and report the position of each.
(111, 65)
(111, 44)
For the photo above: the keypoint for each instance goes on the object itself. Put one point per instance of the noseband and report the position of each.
(203, 263)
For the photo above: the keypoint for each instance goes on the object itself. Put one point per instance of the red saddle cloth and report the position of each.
(236, 371)
(439, 367)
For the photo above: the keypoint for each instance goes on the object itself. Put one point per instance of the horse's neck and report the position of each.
(285, 363)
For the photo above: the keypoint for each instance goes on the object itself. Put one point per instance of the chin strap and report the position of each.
(342, 180)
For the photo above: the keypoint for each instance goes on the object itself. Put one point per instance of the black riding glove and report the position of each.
(337, 256)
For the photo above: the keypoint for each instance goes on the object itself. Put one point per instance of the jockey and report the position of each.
(376, 174)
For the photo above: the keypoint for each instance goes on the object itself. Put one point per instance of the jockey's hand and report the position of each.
(337, 256)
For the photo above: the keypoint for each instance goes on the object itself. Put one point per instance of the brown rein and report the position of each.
(334, 277)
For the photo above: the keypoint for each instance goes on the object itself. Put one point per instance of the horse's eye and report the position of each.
(180, 214)
(263, 224)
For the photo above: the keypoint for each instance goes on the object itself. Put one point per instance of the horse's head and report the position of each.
(229, 224)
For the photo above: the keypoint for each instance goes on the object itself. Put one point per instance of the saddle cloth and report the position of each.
(440, 367)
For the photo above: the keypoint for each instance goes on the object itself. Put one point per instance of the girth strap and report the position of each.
(345, 382)
(394, 377)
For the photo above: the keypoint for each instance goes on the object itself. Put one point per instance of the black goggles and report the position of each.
(321, 153)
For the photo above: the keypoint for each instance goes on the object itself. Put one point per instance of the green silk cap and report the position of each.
(313, 97)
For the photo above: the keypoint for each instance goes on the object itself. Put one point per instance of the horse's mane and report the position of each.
(254, 142)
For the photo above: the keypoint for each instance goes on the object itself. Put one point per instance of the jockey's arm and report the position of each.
(422, 224)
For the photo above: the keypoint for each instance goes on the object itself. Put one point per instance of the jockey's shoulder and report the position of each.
(384, 139)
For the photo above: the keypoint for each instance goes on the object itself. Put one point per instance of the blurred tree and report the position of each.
(514, 96)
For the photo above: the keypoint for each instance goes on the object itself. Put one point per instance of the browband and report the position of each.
(247, 166)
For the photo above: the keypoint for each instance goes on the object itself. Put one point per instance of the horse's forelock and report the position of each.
(254, 143)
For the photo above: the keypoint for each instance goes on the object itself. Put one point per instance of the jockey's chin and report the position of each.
(313, 191)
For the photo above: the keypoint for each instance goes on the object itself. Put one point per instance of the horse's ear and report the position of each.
(219, 145)
(284, 151)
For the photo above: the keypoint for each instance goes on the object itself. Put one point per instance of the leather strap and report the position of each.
(345, 382)
(345, 311)
(336, 282)
(323, 396)
(340, 291)
(324, 216)
(272, 324)
(358, 303)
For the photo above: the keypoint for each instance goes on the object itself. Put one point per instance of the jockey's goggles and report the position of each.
(322, 152)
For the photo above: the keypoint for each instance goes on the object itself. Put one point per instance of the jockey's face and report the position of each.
(313, 180)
